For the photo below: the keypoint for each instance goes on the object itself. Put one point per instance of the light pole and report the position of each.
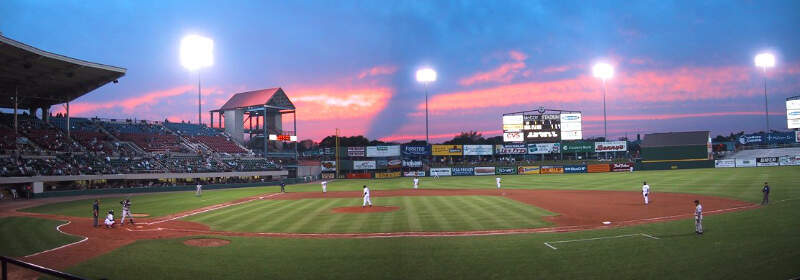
(604, 71)
(425, 76)
(196, 53)
(765, 60)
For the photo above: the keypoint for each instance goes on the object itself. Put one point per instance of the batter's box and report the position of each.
(552, 244)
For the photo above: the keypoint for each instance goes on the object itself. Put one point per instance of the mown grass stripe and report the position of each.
(411, 214)
(447, 202)
(495, 212)
(278, 222)
(308, 216)
(480, 212)
(439, 219)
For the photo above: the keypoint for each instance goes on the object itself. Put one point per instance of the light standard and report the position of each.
(196, 53)
(765, 60)
(425, 76)
(604, 71)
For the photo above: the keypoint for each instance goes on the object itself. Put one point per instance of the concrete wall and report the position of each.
(234, 125)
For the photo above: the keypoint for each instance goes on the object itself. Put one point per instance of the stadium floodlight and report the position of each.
(765, 60)
(197, 52)
(425, 76)
(604, 71)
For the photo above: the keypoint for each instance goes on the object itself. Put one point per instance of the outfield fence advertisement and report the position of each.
(484, 170)
(412, 163)
(328, 165)
(528, 170)
(383, 175)
(505, 170)
(620, 167)
(577, 147)
(767, 161)
(598, 168)
(477, 150)
(414, 174)
(552, 169)
(725, 163)
(613, 146)
(789, 160)
(511, 149)
(463, 171)
(383, 151)
(742, 162)
(394, 163)
(364, 165)
(544, 148)
(441, 172)
(575, 169)
(415, 150)
(513, 137)
(447, 150)
(359, 175)
(356, 152)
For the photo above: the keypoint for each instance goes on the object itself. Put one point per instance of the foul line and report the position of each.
(210, 209)
(58, 228)
(549, 243)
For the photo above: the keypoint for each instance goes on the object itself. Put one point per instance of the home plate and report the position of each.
(606, 223)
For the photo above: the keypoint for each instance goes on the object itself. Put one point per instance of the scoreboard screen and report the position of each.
(545, 128)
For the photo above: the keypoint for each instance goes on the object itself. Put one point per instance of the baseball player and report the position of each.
(96, 211)
(765, 190)
(199, 190)
(435, 174)
(365, 194)
(324, 186)
(698, 217)
(126, 211)
(283, 186)
(498, 182)
(110, 219)
(645, 192)
(416, 182)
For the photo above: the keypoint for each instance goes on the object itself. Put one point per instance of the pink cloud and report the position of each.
(377, 71)
(677, 116)
(502, 74)
(128, 104)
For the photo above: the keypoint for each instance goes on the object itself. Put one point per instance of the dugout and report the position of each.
(676, 150)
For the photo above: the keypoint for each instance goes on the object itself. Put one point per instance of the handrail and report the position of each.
(38, 268)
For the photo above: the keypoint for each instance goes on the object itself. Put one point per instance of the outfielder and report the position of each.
(199, 191)
(110, 219)
(416, 182)
(765, 190)
(365, 194)
(324, 186)
(126, 211)
(645, 192)
(698, 217)
(498, 182)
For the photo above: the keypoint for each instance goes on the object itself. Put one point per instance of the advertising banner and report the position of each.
(577, 147)
(789, 160)
(598, 168)
(395, 163)
(575, 169)
(477, 150)
(415, 150)
(613, 146)
(383, 151)
(552, 169)
(793, 112)
(412, 163)
(505, 170)
(359, 175)
(441, 172)
(328, 165)
(356, 152)
(513, 137)
(748, 162)
(447, 150)
(621, 167)
(511, 149)
(767, 161)
(725, 163)
(544, 148)
(328, 175)
(512, 123)
(384, 175)
(463, 171)
(328, 151)
(364, 165)
(771, 138)
(414, 174)
(528, 170)
(571, 126)
(381, 164)
(484, 170)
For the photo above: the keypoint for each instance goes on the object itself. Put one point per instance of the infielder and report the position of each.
(366, 197)
(110, 219)
(126, 211)
(765, 190)
(416, 182)
(645, 192)
(698, 217)
(498, 182)
(199, 191)
(324, 186)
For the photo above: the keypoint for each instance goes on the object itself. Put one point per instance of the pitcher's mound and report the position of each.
(140, 215)
(359, 209)
(207, 242)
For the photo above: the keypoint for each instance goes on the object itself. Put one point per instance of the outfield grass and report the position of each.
(755, 244)
(23, 236)
(155, 205)
(420, 213)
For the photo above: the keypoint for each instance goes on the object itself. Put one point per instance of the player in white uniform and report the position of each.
(199, 190)
(324, 186)
(698, 217)
(365, 194)
(110, 219)
(126, 211)
(498, 182)
(645, 192)
(416, 183)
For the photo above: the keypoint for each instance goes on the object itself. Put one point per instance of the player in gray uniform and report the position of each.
(126, 211)
(698, 217)
(765, 190)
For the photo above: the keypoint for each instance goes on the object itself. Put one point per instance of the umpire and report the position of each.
(96, 211)
(765, 190)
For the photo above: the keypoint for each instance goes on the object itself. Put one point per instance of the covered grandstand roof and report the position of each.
(43, 78)
(271, 97)
(670, 139)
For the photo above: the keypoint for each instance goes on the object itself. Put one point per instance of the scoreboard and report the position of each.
(542, 128)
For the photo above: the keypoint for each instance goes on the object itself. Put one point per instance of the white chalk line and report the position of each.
(58, 228)
(550, 243)
(210, 209)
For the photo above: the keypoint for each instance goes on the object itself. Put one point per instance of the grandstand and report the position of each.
(757, 153)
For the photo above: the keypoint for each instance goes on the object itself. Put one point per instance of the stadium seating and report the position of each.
(218, 144)
(188, 129)
(748, 154)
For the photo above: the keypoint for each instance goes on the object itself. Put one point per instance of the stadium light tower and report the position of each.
(197, 52)
(765, 60)
(604, 71)
(425, 76)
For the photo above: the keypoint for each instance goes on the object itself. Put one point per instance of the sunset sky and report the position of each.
(350, 64)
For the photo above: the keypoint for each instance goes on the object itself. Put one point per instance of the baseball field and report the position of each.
(534, 227)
